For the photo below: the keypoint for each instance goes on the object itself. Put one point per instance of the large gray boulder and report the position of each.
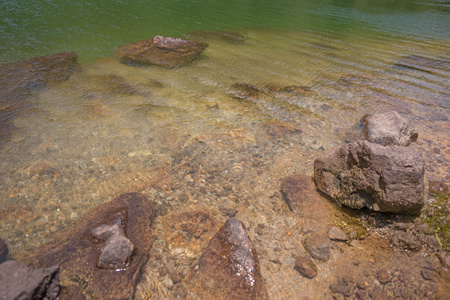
(364, 174)
(389, 129)
(19, 281)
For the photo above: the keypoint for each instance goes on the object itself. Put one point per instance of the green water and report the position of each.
(94, 29)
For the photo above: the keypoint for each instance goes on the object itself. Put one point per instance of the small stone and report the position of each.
(337, 234)
(341, 287)
(117, 253)
(427, 273)
(317, 247)
(437, 188)
(305, 266)
(229, 212)
(168, 282)
(383, 277)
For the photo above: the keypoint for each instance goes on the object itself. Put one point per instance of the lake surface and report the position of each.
(94, 29)
(180, 136)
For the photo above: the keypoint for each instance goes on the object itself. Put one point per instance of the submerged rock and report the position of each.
(164, 51)
(95, 257)
(389, 129)
(117, 251)
(424, 64)
(318, 247)
(305, 266)
(296, 189)
(337, 234)
(20, 281)
(229, 266)
(364, 174)
(19, 79)
(227, 36)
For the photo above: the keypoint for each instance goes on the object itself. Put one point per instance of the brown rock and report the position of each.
(337, 234)
(389, 129)
(383, 276)
(229, 267)
(76, 251)
(305, 266)
(19, 79)
(294, 189)
(364, 174)
(164, 51)
(317, 247)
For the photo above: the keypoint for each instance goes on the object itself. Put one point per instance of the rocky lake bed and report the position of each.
(255, 167)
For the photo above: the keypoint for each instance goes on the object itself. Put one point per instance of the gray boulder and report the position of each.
(389, 129)
(364, 174)
(19, 281)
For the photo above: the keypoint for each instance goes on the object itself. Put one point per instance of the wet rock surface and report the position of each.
(229, 266)
(389, 129)
(364, 174)
(20, 281)
(164, 51)
(103, 270)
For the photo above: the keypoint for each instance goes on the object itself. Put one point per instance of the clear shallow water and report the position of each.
(91, 138)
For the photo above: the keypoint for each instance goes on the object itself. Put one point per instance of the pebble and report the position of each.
(317, 247)
(305, 266)
(337, 234)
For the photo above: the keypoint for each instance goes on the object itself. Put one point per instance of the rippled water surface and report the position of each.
(114, 128)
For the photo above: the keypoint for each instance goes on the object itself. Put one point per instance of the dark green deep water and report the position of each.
(94, 29)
